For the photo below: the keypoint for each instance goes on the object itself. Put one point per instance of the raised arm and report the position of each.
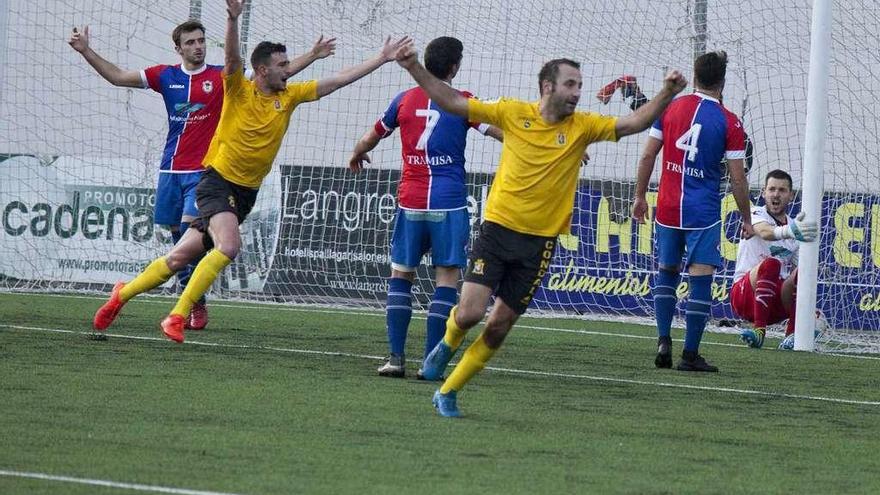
(642, 118)
(232, 47)
(646, 168)
(448, 98)
(79, 40)
(351, 74)
(323, 48)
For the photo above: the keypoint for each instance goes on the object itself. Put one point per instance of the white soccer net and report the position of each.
(80, 156)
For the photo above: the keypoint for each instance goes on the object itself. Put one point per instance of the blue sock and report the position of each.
(442, 302)
(697, 313)
(184, 275)
(665, 285)
(398, 312)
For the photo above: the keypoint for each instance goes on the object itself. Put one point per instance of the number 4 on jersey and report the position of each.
(688, 142)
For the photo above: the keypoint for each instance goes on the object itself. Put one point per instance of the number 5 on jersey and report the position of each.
(688, 142)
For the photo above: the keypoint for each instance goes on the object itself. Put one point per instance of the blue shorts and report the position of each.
(176, 197)
(702, 246)
(444, 233)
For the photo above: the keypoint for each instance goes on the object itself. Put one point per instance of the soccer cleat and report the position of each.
(664, 353)
(420, 375)
(445, 404)
(437, 361)
(691, 361)
(787, 343)
(172, 327)
(753, 337)
(394, 367)
(108, 312)
(198, 317)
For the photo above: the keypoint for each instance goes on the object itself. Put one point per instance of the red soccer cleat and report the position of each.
(108, 312)
(198, 317)
(172, 327)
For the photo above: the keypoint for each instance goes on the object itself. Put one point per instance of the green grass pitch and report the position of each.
(278, 399)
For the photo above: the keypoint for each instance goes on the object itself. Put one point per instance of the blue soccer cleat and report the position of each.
(787, 343)
(437, 361)
(753, 337)
(445, 404)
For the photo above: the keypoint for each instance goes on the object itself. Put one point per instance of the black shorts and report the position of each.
(214, 195)
(511, 263)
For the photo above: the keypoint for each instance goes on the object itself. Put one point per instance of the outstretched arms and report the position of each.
(448, 98)
(351, 74)
(642, 118)
(79, 41)
(323, 48)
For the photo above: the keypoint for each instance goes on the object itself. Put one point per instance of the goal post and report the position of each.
(814, 152)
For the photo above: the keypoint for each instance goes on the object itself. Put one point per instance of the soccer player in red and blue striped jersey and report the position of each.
(432, 200)
(695, 133)
(193, 96)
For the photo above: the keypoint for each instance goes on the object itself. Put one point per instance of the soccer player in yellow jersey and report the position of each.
(253, 122)
(530, 203)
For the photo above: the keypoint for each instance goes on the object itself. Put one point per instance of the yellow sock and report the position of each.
(472, 362)
(154, 275)
(453, 335)
(203, 276)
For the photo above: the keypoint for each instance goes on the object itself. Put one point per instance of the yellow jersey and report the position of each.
(252, 126)
(534, 186)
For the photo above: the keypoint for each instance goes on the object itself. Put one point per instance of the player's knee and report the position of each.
(769, 269)
(467, 316)
(176, 260)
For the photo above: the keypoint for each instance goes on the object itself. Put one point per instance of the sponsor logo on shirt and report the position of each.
(187, 107)
(432, 161)
(176, 86)
(689, 171)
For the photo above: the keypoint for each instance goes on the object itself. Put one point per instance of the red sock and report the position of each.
(765, 290)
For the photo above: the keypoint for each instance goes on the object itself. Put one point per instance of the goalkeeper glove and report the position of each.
(799, 229)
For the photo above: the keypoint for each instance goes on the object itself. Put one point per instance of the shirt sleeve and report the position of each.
(599, 127)
(233, 83)
(150, 77)
(736, 139)
(491, 112)
(759, 215)
(656, 130)
(301, 92)
(479, 126)
(389, 120)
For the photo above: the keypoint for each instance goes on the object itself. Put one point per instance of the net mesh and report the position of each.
(80, 156)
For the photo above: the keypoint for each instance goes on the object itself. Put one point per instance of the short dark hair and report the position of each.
(186, 27)
(263, 53)
(550, 71)
(710, 70)
(442, 54)
(780, 175)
